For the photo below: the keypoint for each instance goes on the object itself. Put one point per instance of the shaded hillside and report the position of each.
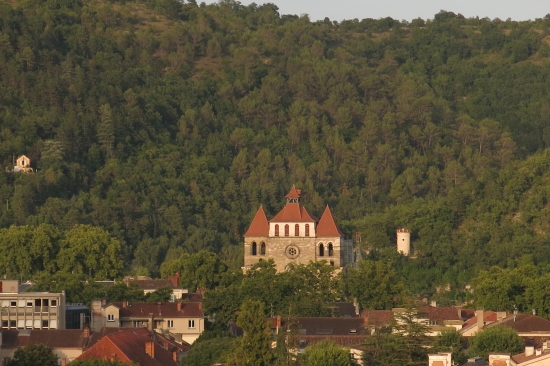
(168, 124)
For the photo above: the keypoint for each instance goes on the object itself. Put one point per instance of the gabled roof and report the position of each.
(374, 318)
(159, 310)
(293, 212)
(259, 225)
(129, 346)
(327, 225)
(441, 313)
(488, 317)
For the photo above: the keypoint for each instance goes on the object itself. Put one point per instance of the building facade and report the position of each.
(295, 236)
(30, 310)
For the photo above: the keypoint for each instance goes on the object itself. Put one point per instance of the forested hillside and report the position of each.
(167, 124)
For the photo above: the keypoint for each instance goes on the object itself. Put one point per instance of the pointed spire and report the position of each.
(259, 225)
(294, 195)
(327, 225)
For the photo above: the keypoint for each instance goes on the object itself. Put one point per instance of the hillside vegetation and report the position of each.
(167, 124)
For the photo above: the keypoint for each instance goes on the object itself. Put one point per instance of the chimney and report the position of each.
(63, 362)
(174, 356)
(538, 352)
(480, 322)
(165, 343)
(529, 351)
(150, 349)
(200, 305)
(86, 332)
(278, 321)
(150, 325)
(356, 306)
(179, 305)
(124, 304)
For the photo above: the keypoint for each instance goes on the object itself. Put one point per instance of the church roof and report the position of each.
(259, 225)
(294, 193)
(293, 212)
(327, 226)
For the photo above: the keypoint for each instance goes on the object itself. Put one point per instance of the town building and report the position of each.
(149, 285)
(295, 236)
(182, 320)
(30, 310)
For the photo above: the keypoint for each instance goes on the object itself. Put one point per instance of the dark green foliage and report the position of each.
(166, 124)
(208, 352)
(495, 339)
(450, 340)
(34, 354)
(162, 294)
(326, 353)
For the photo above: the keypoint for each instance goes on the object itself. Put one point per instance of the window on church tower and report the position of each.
(262, 249)
(254, 249)
(330, 251)
(276, 230)
(307, 229)
(297, 230)
(287, 230)
(321, 250)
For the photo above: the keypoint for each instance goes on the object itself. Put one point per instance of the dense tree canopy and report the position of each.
(166, 124)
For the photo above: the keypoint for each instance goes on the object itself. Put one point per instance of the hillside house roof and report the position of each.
(53, 338)
(154, 284)
(374, 318)
(327, 225)
(293, 212)
(524, 323)
(259, 225)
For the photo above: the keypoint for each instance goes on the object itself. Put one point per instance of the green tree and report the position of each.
(208, 352)
(34, 354)
(327, 353)
(202, 270)
(375, 284)
(254, 347)
(495, 339)
(91, 251)
(162, 294)
(449, 340)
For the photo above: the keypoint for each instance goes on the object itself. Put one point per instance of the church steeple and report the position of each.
(293, 196)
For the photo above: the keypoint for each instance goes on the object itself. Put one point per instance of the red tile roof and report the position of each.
(54, 338)
(488, 317)
(259, 225)
(159, 310)
(377, 317)
(129, 346)
(327, 225)
(293, 212)
(294, 193)
(441, 313)
(525, 323)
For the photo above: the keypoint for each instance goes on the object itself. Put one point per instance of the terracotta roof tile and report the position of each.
(327, 225)
(441, 313)
(129, 346)
(54, 338)
(259, 225)
(293, 212)
(377, 317)
(294, 193)
(525, 323)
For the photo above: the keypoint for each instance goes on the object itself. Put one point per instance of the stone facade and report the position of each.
(294, 236)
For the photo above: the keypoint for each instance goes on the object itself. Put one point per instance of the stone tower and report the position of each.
(404, 241)
(295, 236)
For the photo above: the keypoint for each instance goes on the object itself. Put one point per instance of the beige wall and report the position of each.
(115, 312)
(308, 250)
(28, 310)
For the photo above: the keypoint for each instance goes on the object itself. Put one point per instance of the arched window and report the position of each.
(296, 230)
(307, 229)
(276, 229)
(262, 248)
(321, 250)
(331, 263)
(253, 251)
(287, 230)
(330, 251)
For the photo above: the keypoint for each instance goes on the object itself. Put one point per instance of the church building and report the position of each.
(295, 236)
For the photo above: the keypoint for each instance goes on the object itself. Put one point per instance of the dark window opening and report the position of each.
(332, 263)
(287, 230)
(307, 229)
(297, 230)
(262, 249)
(276, 230)
(330, 250)
(321, 250)
(254, 249)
